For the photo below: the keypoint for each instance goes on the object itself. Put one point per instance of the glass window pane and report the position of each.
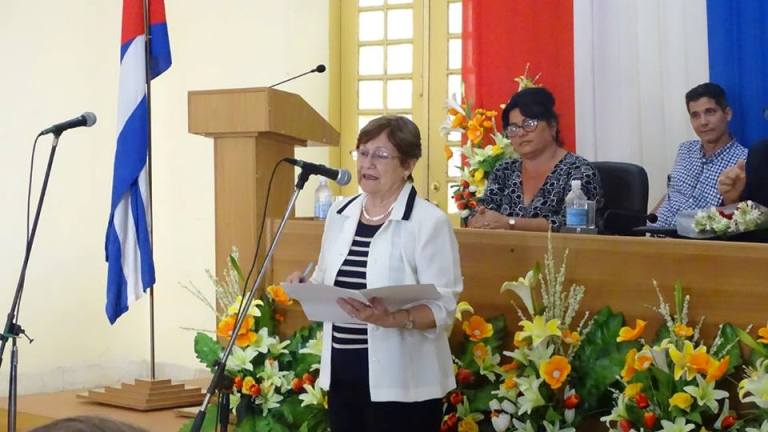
(400, 24)
(454, 163)
(371, 60)
(370, 94)
(399, 1)
(400, 59)
(454, 18)
(454, 54)
(454, 86)
(451, 203)
(364, 3)
(399, 94)
(363, 120)
(371, 25)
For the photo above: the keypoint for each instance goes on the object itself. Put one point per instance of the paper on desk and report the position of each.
(319, 301)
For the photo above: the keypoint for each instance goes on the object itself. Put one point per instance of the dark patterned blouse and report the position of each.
(504, 192)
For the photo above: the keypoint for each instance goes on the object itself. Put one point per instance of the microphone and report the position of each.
(319, 69)
(87, 119)
(340, 176)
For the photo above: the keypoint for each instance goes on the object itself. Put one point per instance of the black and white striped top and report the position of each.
(352, 275)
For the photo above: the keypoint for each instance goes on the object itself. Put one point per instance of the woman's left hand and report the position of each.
(489, 219)
(376, 313)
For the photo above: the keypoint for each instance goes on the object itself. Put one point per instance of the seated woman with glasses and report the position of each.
(529, 193)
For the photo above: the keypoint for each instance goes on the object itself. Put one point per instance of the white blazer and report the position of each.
(416, 245)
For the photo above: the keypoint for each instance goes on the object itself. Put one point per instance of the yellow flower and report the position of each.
(463, 307)
(458, 121)
(555, 371)
(491, 114)
(480, 352)
(763, 333)
(681, 400)
(245, 336)
(474, 132)
(629, 333)
(629, 365)
(248, 382)
(278, 295)
(468, 425)
(632, 390)
(716, 369)
(571, 338)
(479, 175)
(487, 124)
(520, 341)
(683, 331)
(539, 330)
(477, 328)
(643, 360)
(509, 383)
(496, 150)
(448, 152)
(682, 360)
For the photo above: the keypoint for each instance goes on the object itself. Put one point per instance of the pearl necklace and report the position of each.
(381, 216)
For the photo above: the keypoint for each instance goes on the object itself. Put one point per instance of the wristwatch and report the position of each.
(409, 320)
(511, 223)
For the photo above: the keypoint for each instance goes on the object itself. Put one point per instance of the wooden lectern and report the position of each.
(252, 129)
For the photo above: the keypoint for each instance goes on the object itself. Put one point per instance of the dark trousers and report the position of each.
(351, 410)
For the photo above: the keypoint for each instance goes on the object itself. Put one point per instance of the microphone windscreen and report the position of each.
(90, 119)
(344, 177)
(320, 68)
(652, 218)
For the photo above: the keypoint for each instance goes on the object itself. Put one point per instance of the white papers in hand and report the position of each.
(319, 301)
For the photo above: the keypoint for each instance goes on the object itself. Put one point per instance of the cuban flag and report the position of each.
(131, 270)
(619, 70)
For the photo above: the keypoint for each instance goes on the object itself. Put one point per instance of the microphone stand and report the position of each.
(218, 375)
(12, 329)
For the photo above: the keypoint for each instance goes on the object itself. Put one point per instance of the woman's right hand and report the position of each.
(294, 277)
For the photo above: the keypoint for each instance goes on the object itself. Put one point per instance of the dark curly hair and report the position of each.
(534, 103)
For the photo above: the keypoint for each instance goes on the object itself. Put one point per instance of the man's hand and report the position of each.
(731, 183)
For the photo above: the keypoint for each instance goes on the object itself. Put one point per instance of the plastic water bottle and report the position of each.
(323, 199)
(576, 206)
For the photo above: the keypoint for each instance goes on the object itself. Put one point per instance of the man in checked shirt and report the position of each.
(692, 184)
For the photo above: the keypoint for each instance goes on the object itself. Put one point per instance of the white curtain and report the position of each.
(634, 61)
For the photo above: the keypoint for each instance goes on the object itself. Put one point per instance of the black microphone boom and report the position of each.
(319, 69)
(87, 119)
(340, 176)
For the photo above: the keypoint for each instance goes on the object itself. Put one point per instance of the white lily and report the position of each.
(263, 340)
(253, 310)
(705, 393)
(618, 412)
(522, 427)
(678, 426)
(531, 398)
(314, 396)
(268, 399)
(314, 346)
(501, 414)
(523, 287)
(556, 427)
(273, 376)
(756, 385)
(464, 306)
(240, 359)
(276, 347)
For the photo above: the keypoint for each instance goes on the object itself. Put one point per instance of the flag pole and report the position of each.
(148, 80)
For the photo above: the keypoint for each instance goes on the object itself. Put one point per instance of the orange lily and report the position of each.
(245, 336)
(480, 352)
(763, 333)
(555, 371)
(629, 365)
(571, 338)
(477, 328)
(643, 360)
(717, 369)
(277, 293)
(448, 152)
(683, 331)
(629, 333)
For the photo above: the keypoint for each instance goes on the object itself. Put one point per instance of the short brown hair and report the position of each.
(401, 132)
(87, 424)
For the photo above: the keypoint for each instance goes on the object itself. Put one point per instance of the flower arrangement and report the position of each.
(676, 384)
(484, 145)
(753, 388)
(273, 381)
(549, 381)
(746, 216)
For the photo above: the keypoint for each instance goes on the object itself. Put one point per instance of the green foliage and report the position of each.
(729, 345)
(209, 425)
(599, 360)
(207, 350)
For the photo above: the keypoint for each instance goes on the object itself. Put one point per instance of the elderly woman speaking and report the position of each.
(392, 372)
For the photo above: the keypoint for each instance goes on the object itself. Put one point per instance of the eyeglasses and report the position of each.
(515, 130)
(378, 155)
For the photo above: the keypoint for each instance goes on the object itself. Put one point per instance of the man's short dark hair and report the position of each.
(710, 90)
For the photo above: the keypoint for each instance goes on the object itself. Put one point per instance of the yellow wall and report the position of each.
(60, 59)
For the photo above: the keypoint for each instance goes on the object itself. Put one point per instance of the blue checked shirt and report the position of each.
(693, 182)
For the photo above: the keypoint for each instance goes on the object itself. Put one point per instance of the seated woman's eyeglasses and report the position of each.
(378, 155)
(515, 130)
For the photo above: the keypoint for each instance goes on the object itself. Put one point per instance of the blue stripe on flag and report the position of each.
(738, 60)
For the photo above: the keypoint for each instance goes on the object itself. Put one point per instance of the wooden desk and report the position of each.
(727, 281)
